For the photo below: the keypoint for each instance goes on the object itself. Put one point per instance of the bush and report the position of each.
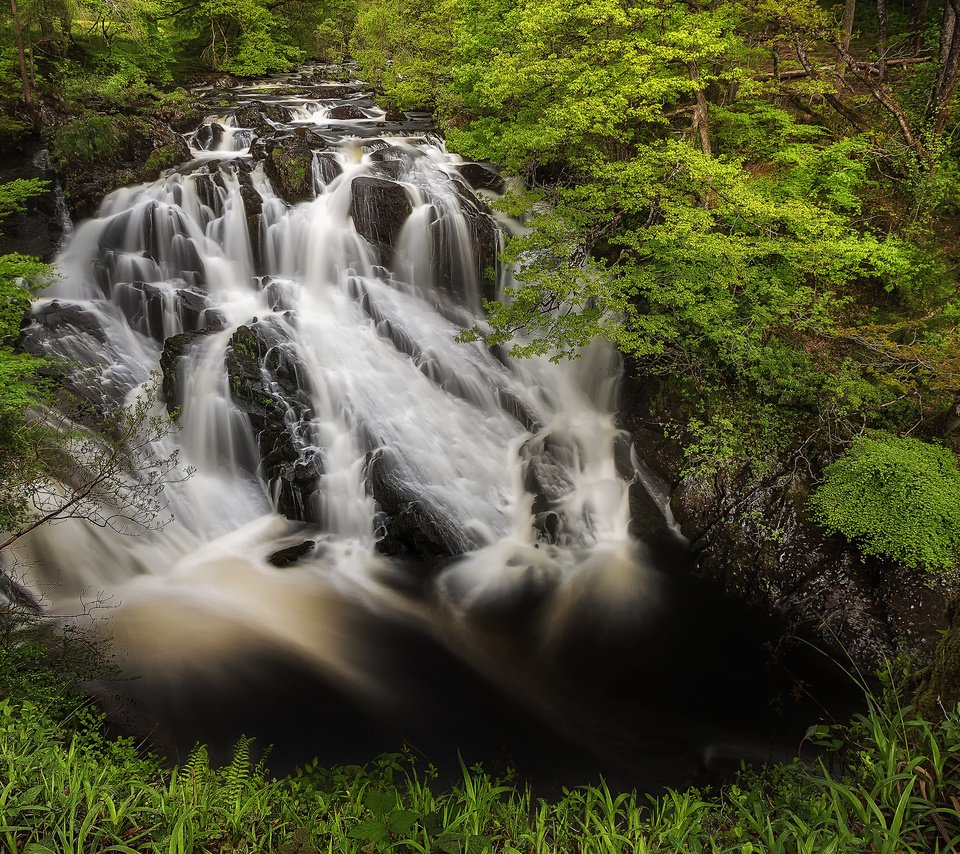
(896, 498)
(87, 140)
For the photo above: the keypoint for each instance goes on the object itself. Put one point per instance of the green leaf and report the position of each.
(370, 831)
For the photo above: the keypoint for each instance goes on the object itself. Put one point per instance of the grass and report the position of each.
(889, 784)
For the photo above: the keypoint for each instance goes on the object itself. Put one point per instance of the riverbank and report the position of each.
(888, 783)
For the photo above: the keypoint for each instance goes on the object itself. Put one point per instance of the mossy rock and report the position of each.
(939, 689)
(288, 162)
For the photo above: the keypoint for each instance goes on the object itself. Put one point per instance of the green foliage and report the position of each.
(15, 194)
(897, 498)
(19, 275)
(87, 139)
(717, 224)
(70, 788)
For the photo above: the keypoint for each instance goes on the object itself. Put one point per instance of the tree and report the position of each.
(19, 28)
(708, 214)
(63, 471)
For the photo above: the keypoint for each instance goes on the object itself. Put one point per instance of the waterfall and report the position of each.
(309, 345)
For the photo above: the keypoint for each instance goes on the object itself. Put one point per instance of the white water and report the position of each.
(383, 374)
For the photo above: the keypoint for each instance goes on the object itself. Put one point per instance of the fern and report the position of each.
(237, 776)
(195, 774)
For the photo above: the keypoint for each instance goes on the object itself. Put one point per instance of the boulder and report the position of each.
(546, 460)
(208, 137)
(265, 377)
(91, 381)
(346, 112)
(466, 286)
(379, 208)
(64, 316)
(329, 167)
(260, 116)
(288, 162)
(485, 242)
(482, 177)
(411, 526)
(334, 91)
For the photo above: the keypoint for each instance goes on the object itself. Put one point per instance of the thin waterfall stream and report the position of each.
(388, 535)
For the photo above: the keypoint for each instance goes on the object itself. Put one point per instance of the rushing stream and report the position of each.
(388, 535)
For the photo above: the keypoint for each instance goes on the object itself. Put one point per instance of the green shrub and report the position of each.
(87, 139)
(897, 498)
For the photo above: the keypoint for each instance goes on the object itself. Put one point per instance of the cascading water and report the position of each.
(354, 463)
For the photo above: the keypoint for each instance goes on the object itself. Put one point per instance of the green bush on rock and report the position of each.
(897, 498)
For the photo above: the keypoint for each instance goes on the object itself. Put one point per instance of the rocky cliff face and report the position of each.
(754, 539)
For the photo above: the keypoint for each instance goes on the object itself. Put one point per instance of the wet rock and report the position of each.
(411, 527)
(211, 187)
(288, 162)
(56, 315)
(546, 462)
(133, 242)
(482, 177)
(513, 406)
(36, 230)
(176, 349)
(379, 208)
(450, 274)
(393, 161)
(158, 311)
(209, 136)
(90, 381)
(260, 116)
(334, 91)
(281, 294)
(266, 381)
(329, 167)
(485, 242)
(252, 200)
(395, 152)
(391, 169)
(346, 112)
(291, 554)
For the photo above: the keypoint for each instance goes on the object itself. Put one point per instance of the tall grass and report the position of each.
(890, 784)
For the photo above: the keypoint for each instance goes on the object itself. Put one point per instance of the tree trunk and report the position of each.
(849, 10)
(33, 70)
(918, 21)
(701, 114)
(21, 55)
(884, 44)
(948, 66)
